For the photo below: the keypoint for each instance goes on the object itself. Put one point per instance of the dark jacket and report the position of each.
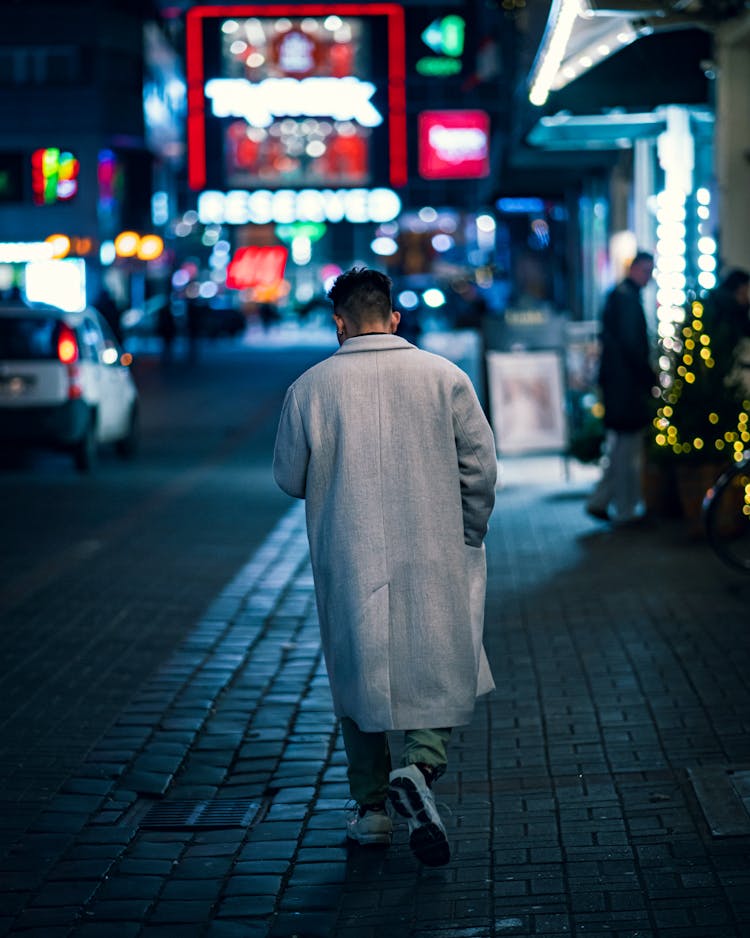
(625, 374)
(727, 322)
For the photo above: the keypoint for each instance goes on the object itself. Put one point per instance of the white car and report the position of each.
(64, 383)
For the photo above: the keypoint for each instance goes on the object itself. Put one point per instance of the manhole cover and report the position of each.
(724, 795)
(178, 815)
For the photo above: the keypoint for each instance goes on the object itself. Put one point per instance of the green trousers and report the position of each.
(369, 758)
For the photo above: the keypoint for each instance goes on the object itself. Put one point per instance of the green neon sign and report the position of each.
(432, 66)
(314, 230)
(446, 36)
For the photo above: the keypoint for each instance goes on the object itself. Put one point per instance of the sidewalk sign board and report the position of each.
(527, 395)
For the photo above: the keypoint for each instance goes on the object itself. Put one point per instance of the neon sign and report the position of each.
(286, 206)
(446, 37)
(54, 175)
(257, 267)
(454, 144)
(340, 98)
(21, 252)
(293, 79)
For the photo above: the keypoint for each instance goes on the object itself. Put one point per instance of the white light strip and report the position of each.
(670, 255)
(601, 48)
(551, 53)
(20, 252)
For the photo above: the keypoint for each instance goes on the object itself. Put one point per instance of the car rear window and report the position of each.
(28, 337)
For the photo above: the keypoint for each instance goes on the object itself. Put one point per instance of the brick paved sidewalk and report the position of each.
(214, 806)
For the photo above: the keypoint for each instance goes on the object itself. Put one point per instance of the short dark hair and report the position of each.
(362, 294)
(733, 280)
(643, 257)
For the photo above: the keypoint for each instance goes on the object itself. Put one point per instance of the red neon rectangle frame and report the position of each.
(196, 105)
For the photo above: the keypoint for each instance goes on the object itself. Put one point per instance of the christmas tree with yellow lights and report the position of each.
(702, 415)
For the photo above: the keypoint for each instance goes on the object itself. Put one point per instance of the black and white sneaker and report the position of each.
(413, 800)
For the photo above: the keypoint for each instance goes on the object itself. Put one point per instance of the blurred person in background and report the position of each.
(166, 328)
(268, 315)
(727, 321)
(106, 305)
(626, 379)
(728, 308)
(195, 312)
(391, 451)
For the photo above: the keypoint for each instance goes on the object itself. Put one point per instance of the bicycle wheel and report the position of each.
(726, 514)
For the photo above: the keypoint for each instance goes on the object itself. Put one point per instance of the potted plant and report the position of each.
(701, 422)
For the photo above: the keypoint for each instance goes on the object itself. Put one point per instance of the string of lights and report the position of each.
(699, 413)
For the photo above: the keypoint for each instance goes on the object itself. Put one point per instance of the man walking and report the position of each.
(391, 451)
(626, 379)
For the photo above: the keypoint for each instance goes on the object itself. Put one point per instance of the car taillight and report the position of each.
(67, 346)
(67, 352)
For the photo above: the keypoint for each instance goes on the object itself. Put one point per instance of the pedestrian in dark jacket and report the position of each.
(625, 379)
(727, 318)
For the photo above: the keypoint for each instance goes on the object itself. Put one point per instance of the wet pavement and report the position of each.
(598, 791)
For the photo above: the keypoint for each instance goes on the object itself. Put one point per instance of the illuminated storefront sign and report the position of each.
(110, 177)
(54, 175)
(345, 99)
(445, 37)
(454, 144)
(285, 206)
(56, 246)
(312, 230)
(57, 282)
(164, 98)
(257, 267)
(300, 94)
(21, 252)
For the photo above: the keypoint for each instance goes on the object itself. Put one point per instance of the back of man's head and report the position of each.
(362, 295)
(734, 279)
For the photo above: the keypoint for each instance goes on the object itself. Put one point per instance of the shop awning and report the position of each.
(581, 34)
(612, 131)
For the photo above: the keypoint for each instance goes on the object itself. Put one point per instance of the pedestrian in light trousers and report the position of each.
(391, 451)
(626, 379)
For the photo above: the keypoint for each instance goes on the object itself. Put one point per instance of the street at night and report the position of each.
(102, 575)
(374, 469)
(161, 652)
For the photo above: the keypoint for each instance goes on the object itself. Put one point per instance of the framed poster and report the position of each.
(582, 353)
(527, 402)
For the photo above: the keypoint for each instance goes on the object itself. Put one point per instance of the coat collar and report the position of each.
(631, 285)
(373, 343)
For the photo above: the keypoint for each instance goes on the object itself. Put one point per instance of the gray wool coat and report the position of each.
(391, 451)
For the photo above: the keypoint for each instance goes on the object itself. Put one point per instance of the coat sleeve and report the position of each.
(477, 462)
(291, 453)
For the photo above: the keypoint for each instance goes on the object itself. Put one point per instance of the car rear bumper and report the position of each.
(57, 425)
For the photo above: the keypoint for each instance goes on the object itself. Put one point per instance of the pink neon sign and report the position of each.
(454, 144)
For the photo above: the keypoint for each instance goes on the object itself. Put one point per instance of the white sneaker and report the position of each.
(412, 799)
(369, 826)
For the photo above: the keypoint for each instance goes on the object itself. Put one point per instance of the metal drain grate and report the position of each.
(181, 815)
(724, 795)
